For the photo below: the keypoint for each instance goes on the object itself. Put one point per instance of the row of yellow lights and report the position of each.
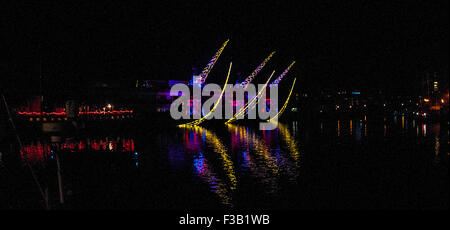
(45, 119)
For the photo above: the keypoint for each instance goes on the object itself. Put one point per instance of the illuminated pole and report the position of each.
(256, 71)
(211, 63)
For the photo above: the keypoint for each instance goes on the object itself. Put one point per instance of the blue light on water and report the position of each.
(199, 164)
(191, 136)
(244, 155)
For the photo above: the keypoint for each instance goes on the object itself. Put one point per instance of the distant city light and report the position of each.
(436, 86)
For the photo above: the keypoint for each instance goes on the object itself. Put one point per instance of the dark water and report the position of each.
(365, 162)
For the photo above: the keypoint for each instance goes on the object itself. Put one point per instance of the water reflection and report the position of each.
(37, 151)
(403, 121)
(209, 143)
(406, 125)
(338, 128)
(238, 165)
(437, 145)
(365, 129)
(261, 157)
(271, 152)
(351, 127)
(204, 171)
(424, 130)
(358, 130)
(258, 160)
(295, 127)
(290, 142)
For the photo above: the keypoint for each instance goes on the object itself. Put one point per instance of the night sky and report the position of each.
(337, 44)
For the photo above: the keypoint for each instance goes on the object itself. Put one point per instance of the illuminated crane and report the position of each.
(201, 120)
(250, 103)
(211, 63)
(283, 74)
(256, 71)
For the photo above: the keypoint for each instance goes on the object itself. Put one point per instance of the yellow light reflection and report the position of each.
(221, 150)
(260, 148)
(365, 129)
(290, 142)
(403, 122)
(338, 129)
(351, 127)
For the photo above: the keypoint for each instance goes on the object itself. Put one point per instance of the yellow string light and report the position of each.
(285, 104)
(251, 102)
(201, 120)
